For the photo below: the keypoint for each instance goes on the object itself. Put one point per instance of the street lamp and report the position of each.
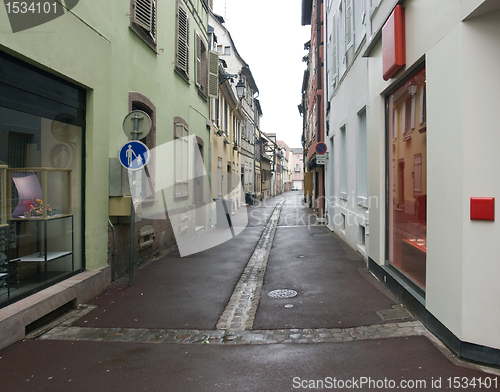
(240, 89)
(240, 86)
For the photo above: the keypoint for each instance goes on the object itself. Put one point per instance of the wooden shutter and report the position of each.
(153, 20)
(182, 40)
(349, 22)
(143, 14)
(198, 49)
(213, 74)
(334, 50)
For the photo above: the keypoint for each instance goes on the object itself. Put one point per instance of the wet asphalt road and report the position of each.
(335, 293)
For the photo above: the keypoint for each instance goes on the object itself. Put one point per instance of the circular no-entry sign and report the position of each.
(320, 148)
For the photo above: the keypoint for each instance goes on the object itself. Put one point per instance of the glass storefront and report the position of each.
(41, 177)
(407, 182)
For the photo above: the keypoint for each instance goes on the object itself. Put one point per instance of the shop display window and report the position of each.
(41, 202)
(42, 134)
(407, 180)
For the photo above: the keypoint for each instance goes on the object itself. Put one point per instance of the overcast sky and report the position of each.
(270, 38)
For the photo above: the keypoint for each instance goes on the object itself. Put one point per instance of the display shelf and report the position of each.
(46, 250)
(38, 211)
(413, 260)
(40, 257)
(36, 195)
(417, 244)
(40, 218)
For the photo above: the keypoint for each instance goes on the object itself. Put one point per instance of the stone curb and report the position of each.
(241, 337)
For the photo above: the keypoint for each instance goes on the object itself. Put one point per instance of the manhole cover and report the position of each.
(394, 314)
(282, 293)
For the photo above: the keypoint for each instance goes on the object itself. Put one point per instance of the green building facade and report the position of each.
(66, 86)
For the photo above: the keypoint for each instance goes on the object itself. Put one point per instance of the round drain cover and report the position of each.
(282, 293)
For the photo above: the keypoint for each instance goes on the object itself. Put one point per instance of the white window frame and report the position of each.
(362, 159)
(343, 161)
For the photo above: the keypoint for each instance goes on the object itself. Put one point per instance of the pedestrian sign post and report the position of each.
(134, 155)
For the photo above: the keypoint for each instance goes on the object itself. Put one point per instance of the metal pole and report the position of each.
(135, 136)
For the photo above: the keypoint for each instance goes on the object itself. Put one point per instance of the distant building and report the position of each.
(312, 107)
(285, 155)
(298, 168)
(243, 143)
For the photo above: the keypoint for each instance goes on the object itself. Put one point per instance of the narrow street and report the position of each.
(210, 321)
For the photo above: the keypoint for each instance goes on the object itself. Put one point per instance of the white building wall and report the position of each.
(347, 94)
(481, 141)
(445, 178)
(462, 79)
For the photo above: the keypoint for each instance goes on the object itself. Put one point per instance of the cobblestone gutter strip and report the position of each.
(241, 337)
(242, 306)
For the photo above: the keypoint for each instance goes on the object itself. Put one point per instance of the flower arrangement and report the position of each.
(36, 209)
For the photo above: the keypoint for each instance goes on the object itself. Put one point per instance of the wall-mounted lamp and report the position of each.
(240, 86)
(413, 89)
(240, 89)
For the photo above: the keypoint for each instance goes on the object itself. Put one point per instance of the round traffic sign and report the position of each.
(144, 124)
(320, 148)
(134, 155)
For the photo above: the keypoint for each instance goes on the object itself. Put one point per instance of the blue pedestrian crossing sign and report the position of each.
(134, 155)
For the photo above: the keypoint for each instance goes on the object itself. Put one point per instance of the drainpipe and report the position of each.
(113, 253)
(232, 151)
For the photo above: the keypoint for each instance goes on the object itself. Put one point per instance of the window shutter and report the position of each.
(363, 12)
(198, 60)
(213, 74)
(412, 115)
(422, 105)
(334, 50)
(182, 40)
(143, 14)
(153, 20)
(349, 33)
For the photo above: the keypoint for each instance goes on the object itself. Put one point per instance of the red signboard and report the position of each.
(393, 43)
